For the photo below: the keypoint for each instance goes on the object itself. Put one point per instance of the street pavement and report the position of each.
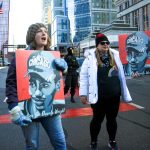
(133, 122)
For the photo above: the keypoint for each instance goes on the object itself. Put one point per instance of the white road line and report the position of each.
(138, 106)
(129, 77)
(2, 67)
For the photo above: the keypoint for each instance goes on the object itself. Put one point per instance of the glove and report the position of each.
(18, 117)
(61, 64)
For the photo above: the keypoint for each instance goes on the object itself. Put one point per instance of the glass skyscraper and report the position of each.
(91, 15)
(60, 32)
(46, 15)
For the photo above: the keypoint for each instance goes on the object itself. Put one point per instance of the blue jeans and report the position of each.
(53, 128)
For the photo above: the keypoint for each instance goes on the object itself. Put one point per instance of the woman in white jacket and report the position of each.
(102, 82)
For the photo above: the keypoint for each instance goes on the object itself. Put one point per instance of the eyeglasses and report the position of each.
(104, 42)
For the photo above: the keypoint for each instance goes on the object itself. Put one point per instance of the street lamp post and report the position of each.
(2, 58)
(79, 48)
(78, 31)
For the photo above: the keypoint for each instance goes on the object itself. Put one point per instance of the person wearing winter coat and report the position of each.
(71, 79)
(102, 82)
(41, 86)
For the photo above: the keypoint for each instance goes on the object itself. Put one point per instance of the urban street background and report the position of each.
(133, 122)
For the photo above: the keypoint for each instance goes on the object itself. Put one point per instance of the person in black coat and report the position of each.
(71, 79)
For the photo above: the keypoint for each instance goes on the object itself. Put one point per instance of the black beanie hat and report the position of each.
(32, 31)
(70, 49)
(100, 37)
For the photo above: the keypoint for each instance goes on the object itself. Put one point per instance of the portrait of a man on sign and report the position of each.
(134, 51)
(44, 81)
(138, 49)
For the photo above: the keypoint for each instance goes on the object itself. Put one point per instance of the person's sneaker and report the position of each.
(93, 146)
(72, 100)
(113, 145)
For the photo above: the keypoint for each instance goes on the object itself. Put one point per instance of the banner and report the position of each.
(134, 50)
(39, 83)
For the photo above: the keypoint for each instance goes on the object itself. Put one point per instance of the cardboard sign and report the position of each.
(39, 83)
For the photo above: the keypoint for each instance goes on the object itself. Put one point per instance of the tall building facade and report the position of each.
(91, 15)
(70, 10)
(4, 26)
(135, 12)
(60, 31)
(46, 15)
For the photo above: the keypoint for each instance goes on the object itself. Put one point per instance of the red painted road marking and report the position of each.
(76, 112)
(70, 113)
(5, 119)
(126, 107)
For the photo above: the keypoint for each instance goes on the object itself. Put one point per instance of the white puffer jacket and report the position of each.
(88, 78)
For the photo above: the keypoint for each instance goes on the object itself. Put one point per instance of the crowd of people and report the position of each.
(102, 82)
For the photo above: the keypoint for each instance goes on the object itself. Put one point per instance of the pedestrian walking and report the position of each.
(37, 39)
(102, 82)
(71, 79)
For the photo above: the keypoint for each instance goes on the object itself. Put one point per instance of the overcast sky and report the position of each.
(22, 14)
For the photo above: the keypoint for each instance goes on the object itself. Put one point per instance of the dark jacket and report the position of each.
(11, 85)
(72, 63)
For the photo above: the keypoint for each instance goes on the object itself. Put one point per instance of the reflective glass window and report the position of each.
(62, 37)
(58, 3)
(145, 17)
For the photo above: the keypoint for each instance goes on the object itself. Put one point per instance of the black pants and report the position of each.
(105, 107)
(71, 83)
